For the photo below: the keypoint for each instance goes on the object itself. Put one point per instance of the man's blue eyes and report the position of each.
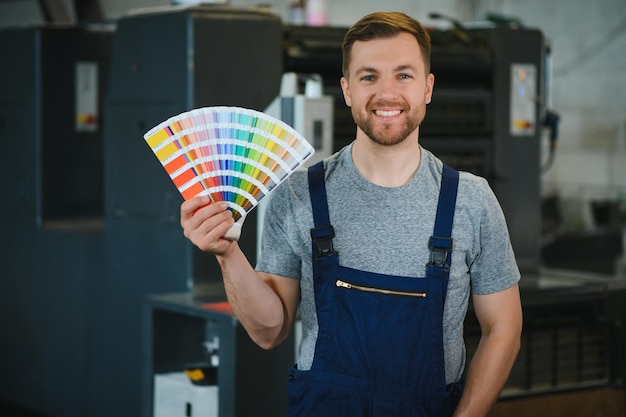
(371, 77)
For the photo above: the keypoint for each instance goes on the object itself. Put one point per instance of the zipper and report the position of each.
(344, 284)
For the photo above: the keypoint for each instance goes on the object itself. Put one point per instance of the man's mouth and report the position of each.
(387, 113)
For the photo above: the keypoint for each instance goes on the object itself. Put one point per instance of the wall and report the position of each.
(588, 72)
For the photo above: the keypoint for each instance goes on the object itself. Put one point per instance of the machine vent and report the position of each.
(458, 112)
(558, 353)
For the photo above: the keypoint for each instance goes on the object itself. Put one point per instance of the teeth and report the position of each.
(387, 113)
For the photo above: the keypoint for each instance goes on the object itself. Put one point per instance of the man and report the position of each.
(380, 262)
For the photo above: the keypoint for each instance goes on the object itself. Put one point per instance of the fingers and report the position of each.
(189, 207)
(205, 224)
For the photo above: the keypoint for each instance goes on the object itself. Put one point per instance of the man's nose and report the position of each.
(387, 87)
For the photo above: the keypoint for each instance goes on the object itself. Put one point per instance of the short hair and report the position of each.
(384, 25)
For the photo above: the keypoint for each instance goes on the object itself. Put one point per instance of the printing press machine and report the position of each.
(102, 284)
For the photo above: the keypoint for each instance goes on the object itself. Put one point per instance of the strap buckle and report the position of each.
(323, 238)
(439, 247)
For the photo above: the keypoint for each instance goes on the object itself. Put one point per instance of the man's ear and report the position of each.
(430, 84)
(346, 91)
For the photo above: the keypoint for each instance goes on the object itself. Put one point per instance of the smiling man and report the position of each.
(380, 246)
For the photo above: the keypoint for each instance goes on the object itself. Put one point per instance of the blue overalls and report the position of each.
(379, 350)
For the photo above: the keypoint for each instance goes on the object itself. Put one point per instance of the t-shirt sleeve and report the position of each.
(494, 268)
(277, 255)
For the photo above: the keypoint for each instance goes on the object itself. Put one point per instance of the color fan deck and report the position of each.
(231, 154)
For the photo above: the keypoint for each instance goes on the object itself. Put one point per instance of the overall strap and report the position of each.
(440, 243)
(323, 233)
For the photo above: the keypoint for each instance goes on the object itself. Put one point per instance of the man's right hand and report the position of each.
(205, 224)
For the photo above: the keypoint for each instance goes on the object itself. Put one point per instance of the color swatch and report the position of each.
(231, 154)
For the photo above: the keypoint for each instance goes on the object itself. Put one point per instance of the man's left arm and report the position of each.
(500, 318)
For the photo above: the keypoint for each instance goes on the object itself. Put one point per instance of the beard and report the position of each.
(388, 134)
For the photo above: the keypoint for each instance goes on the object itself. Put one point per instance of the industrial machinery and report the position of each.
(51, 180)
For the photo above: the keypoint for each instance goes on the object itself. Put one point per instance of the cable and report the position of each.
(457, 27)
(551, 121)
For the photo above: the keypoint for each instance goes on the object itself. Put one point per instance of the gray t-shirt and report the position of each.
(386, 230)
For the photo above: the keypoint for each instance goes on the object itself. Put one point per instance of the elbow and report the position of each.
(268, 338)
(517, 341)
(517, 345)
(268, 343)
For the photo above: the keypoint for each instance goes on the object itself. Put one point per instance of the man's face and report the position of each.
(387, 88)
